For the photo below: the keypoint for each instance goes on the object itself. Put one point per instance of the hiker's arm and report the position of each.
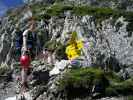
(24, 40)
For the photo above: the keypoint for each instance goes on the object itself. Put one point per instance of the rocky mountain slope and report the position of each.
(105, 27)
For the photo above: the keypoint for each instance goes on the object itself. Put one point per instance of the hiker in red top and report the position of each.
(28, 51)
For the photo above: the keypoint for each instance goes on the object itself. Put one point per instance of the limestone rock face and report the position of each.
(107, 43)
(104, 40)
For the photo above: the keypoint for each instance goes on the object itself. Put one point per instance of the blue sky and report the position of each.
(6, 4)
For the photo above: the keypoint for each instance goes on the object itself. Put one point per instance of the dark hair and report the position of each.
(31, 21)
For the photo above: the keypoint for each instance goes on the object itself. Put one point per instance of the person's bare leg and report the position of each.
(24, 78)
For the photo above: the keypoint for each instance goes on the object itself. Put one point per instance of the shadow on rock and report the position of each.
(41, 77)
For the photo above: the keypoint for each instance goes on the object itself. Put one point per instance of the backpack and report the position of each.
(31, 40)
(18, 39)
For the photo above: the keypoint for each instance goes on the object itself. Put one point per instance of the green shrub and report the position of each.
(51, 45)
(58, 1)
(37, 8)
(99, 13)
(60, 52)
(129, 18)
(4, 68)
(111, 76)
(130, 98)
(86, 78)
(121, 88)
(82, 77)
(81, 81)
(111, 92)
(58, 9)
(46, 11)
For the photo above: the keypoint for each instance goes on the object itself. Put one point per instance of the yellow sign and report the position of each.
(73, 50)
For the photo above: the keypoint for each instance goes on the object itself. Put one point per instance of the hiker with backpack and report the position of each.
(28, 50)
